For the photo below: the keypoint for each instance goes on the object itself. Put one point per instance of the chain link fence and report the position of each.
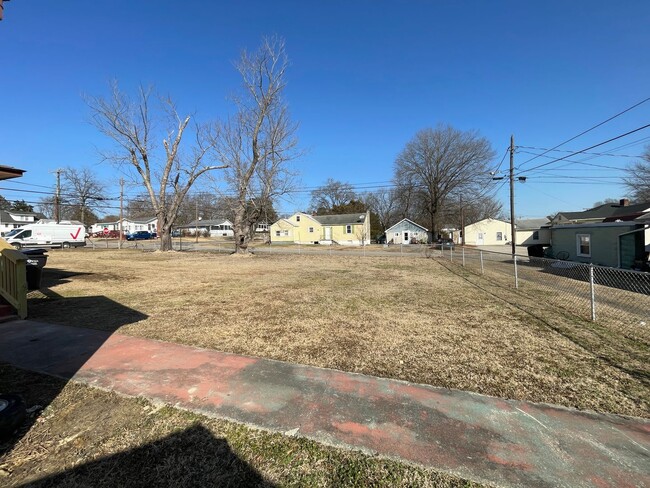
(617, 298)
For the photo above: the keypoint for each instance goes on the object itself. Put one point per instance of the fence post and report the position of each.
(514, 256)
(451, 253)
(592, 291)
(463, 256)
(481, 257)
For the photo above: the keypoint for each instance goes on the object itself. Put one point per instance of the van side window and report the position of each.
(26, 233)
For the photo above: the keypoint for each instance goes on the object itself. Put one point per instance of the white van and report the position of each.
(47, 233)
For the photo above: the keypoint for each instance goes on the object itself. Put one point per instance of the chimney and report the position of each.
(624, 202)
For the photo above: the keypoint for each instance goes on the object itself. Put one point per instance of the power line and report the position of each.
(589, 130)
(568, 151)
(585, 149)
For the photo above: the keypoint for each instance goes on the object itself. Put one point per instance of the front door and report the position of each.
(406, 237)
(479, 239)
(328, 233)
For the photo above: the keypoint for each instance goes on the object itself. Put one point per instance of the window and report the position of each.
(286, 232)
(396, 234)
(348, 229)
(583, 245)
(277, 233)
(536, 235)
(297, 218)
(499, 236)
(311, 230)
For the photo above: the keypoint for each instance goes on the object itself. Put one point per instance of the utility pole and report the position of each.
(57, 197)
(462, 222)
(119, 242)
(513, 230)
(196, 220)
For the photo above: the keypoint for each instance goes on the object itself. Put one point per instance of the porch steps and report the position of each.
(7, 313)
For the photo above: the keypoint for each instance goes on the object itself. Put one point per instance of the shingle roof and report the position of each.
(343, 219)
(531, 223)
(607, 211)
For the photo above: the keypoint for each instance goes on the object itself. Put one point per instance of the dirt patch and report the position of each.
(407, 318)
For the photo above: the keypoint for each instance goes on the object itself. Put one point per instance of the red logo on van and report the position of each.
(74, 236)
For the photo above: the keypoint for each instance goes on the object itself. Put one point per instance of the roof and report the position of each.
(524, 224)
(203, 223)
(613, 211)
(407, 220)
(7, 172)
(6, 217)
(342, 219)
(142, 220)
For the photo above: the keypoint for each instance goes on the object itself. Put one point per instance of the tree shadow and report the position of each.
(192, 457)
(57, 350)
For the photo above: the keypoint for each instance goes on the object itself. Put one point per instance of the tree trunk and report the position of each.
(240, 229)
(166, 238)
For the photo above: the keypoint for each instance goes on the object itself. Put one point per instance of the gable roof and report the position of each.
(342, 219)
(408, 220)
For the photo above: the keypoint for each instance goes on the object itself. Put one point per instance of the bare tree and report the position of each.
(166, 172)
(82, 189)
(439, 162)
(332, 194)
(258, 142)
(385, 205)
(638, 178)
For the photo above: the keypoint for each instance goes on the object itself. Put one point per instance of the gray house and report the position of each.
(406, 232)
(614, 244)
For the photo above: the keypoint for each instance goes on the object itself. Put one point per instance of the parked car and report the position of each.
(140, 235)
(444, 244)
(176, 233)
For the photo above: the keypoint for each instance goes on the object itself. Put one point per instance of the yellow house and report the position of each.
(487, 232)
(303, 228)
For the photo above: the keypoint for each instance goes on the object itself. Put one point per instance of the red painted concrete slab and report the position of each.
(506, 443)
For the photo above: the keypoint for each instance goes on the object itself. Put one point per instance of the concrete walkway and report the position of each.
(485, 439)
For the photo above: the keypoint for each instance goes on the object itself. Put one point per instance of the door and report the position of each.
(406, 237)
(479, 239)
(328, 233)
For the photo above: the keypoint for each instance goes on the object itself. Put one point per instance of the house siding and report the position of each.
(490, 229)
(604, 240)
(395, 234)
(298, 226)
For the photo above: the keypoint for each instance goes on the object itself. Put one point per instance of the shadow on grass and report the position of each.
(192, 457)
(55, 350)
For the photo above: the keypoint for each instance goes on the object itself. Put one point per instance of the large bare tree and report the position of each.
(638, 178)
(82, 189)
(148, 135)
(332, 194)
(258, 141)
(440, 162)
(384, 203)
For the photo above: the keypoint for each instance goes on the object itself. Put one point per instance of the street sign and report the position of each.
(106, 231)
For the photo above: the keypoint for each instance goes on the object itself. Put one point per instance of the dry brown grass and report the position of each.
(407, 318)
(88, 437)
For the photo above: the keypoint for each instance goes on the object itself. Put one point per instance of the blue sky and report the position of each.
(365, 77)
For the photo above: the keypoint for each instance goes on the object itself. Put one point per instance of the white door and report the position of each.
(479, 239)
(328, 233)
(406, 237)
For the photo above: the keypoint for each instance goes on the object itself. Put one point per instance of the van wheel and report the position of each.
(65, 245)
(16, 245)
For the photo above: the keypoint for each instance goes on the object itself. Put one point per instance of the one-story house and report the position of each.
(487, 232)
(406, 232)
(530, 232)
(303, 228)
(219, 227)
(128, 225)
(614, 244)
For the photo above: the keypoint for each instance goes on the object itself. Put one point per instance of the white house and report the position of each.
(219, 227)
(128, 225)
(10, 219)
(487, 232)
(406, 232)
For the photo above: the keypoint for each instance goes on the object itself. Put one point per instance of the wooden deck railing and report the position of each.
(13, 280)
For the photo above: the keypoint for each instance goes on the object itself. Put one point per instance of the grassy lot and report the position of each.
(88, 437)
(408, 318)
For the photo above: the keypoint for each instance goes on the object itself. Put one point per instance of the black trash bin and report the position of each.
(36, 260)
(536, 251)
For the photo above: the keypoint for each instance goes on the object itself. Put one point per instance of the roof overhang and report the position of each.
(7, 172)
